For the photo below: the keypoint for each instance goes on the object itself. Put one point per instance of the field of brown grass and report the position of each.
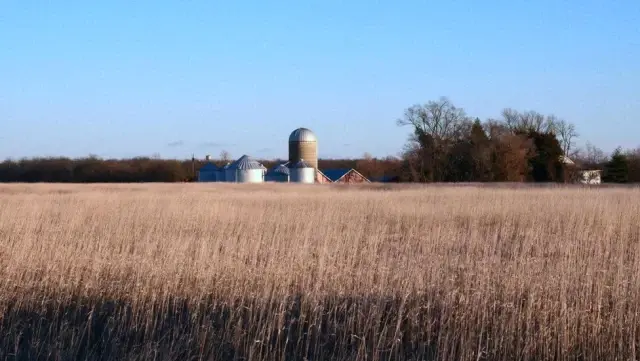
(267, 272)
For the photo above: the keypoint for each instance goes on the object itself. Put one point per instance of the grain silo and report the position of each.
(279, 173)
(303, 144)
(246, 170)
(302, 172)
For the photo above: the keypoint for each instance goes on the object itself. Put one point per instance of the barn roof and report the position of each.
(337, 173)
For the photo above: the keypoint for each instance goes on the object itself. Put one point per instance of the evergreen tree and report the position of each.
(546, 164)
(480, 153)
(617, 169)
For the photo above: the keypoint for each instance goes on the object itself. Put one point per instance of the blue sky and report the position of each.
(126, 78)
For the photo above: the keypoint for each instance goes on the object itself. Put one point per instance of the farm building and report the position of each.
(341, 175)
(279, 173)
(208, 172)
(302, 172)
(302, 166)
(303, 144)
(580, 174)
(245, 170)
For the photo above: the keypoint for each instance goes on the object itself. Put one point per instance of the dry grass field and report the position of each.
(267, 272)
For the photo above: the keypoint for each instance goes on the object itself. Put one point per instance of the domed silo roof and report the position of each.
(279, 169)
(245, 162)
(300, 164)
(302, 135)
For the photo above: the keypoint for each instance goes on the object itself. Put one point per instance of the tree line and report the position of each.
(146, 169)
(446, 145)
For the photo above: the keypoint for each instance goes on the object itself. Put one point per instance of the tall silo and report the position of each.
(279, 173)
(247, 170)
(302, 172)
(303, 144)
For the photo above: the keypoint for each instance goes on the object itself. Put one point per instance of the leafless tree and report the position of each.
(436, 125)
(440, 119)
(566, 133)
(225, 156)
(528, 121)
(590, 156)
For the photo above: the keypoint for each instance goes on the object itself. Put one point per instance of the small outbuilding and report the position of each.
(208, 172)
(579, 174)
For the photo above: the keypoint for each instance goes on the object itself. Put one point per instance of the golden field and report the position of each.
(292, 272)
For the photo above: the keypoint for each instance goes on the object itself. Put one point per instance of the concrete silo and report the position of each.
(279, 173)
(302, 172)
(246, 170)
(303, 144)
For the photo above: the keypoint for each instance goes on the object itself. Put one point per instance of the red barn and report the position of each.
(343, 175)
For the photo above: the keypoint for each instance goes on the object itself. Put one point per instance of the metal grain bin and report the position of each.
(246, 170)
(279, 173)
(302, 172)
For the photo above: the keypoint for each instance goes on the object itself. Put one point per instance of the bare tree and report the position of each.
(590, 156)
(440, 119)
(436, 125)
(528, 121)
(225, 156)
(566, 133)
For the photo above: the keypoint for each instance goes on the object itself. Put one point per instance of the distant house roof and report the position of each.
(335, 174)
(566, 160)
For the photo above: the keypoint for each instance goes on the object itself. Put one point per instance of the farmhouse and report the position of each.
(581, 175)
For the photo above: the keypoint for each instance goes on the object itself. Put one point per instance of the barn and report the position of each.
(340, 175)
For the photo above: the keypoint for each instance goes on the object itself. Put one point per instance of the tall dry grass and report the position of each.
(221, 272)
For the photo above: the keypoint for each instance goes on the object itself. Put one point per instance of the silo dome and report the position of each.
(303, 144)
(302, 135)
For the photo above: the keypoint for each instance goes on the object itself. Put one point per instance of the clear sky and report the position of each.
(125, 78)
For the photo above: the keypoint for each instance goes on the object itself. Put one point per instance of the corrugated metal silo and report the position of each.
(247, 170)
(302, 172)
(279, 173)
(303, 144)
